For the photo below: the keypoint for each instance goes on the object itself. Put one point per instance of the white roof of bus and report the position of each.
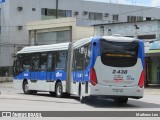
(82, 42)
(118, 38)
(108, 38)
(44, 48)
(64, 46)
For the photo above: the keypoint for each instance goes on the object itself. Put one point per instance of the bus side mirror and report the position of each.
(14, 68)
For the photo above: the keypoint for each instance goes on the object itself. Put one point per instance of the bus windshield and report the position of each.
(118, 54)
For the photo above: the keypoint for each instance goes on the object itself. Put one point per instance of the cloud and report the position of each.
(155, 3)
(112, 1)
(130, 2)
(151, 3)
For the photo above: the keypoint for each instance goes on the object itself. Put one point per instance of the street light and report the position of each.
(56, 9)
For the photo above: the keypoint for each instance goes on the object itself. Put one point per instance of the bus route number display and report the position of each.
(119, 72)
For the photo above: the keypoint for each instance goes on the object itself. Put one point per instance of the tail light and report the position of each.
(141, 81)
(93, 77)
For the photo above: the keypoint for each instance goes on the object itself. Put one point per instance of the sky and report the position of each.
(151, 3)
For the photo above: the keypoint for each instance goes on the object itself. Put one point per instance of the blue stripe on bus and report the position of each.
(42, 75)
(141, 51)
(95, 50)
(81, 75)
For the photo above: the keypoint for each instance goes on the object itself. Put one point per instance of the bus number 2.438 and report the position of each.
(119, 72)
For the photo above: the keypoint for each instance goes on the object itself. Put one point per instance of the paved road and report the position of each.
(14, 100)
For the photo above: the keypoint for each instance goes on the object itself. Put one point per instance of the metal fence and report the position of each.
(6, 71)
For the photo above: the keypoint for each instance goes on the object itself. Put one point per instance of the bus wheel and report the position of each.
(26, 88)
(121, 100)
(59, 90)
(83, 99)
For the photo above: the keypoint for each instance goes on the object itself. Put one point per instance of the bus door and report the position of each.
(60, 61)
(79, 64)
(87, 54)
(80, 68)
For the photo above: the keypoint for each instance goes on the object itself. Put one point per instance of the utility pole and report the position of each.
(56, 9)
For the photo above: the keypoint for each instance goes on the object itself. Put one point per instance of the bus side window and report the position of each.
(43, 61)
(18, 67)
(18, 64)
(79, 58)
(54, 60)
(74, 61)
(35, 62)
(87, 52)
(82, 55)
(61, 58)
(26, 62)
(49, 62)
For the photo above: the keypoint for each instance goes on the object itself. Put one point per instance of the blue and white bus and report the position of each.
(108, 66)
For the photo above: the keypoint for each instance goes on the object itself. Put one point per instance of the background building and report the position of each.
(14, 14)
(57, 31)
(146, 30)
(149, 31)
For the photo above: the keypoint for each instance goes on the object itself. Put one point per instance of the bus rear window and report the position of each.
(118, 54)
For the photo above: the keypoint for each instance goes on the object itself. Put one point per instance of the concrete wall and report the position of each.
(128, 29)
(6, 79)
(84, 32)
(78, 32)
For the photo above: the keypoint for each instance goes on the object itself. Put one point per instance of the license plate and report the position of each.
(117, 90)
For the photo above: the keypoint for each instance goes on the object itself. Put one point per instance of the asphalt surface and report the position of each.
(12, 99)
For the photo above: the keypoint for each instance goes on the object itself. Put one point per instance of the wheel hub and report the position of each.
(26, 87)
(59, 90)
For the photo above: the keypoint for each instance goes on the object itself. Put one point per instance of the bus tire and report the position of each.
(25, 88)
(121, 100)
(83, 99)
(59, 90)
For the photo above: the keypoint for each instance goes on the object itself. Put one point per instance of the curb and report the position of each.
(6, 81)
